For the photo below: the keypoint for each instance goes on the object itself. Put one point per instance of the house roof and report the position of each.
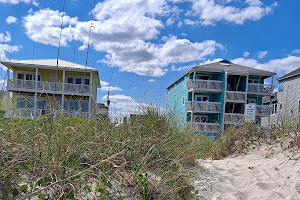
(48, 63)
(291, 74)
(230, 68)
(272, 98)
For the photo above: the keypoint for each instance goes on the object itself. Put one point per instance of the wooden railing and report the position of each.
(260, 89)
(233, 118)
(205, 85)
(263, 110)
(236, 96)
(29, 113)
(205, 127)
(45, 86)
(203, 106)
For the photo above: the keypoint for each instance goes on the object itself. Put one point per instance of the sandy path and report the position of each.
(260, 174)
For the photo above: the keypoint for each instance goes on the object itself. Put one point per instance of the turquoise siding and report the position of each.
(175, 104)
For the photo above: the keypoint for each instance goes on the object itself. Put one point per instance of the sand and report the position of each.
(260, 174)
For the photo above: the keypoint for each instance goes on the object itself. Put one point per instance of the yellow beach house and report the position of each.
(50, 87)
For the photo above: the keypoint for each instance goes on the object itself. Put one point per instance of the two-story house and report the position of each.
(51, 88)
(211, 96)
(288, 98)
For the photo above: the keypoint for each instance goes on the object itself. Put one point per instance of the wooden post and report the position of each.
(63, 92)
(35, 94)
(7, 92)
(90, 96)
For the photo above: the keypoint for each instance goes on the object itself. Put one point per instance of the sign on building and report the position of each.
(250, 112)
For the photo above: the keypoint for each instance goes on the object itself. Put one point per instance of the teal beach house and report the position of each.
(212, 96)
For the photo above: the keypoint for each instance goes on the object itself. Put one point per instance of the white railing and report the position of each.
(260, 89)
(45, 86)
(263, 110)
(205, 85)
(235, 96)
(233, 118)
(205, 127)
(203, 106)
(29, 113)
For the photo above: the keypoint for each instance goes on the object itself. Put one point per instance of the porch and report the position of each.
(203, 107)
(198, 85)
(260, 89)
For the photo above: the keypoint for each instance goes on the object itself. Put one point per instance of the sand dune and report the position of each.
(260, 174)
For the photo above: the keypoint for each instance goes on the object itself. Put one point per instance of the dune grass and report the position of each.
(150, 157)
(153, 158)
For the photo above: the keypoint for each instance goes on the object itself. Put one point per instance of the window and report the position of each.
(202, 77)
(41, 104)
(201, 98)
(20, 103)
(84, 107)
(183, 101)
(280, 106)
(70, 80)
(28, 76)
(78, 81)
(87, 81)
(21, 76)
(201, 119)
(251, 101)
(274, 109)
(280, 87)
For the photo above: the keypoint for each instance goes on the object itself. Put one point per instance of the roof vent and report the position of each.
(225, 62)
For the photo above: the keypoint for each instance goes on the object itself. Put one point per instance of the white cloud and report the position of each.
(262, 54)
(11, 20)
(209, 12)
(44, 26)
(3, 84)
(296, 51)
(15, 1)
(114, 22)
(169, 22)
(151, 80)
(246, 54)
(105, 87)
(6, 48)
(179, 24)
(122, 105)
(191, 22)
(280, 66)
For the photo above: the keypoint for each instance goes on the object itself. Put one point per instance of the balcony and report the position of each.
(263, 110)
(233, 118)
(29, 113)
(47, 87)
(236, 96)
(203, 107)
(260, 89)
(211, 86)
(205, 127)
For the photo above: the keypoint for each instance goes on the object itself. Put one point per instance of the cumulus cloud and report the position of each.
(112, 32)
(6, 48)
(151, 80)
(15, 1)
(122, 105)
(280, 66)
(262, 54)
(44, 26)
(246, 54)
(11, 20)
(209, 12)
(105, 87)
(296, 51)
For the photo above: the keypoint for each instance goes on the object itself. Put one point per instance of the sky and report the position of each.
(142, 46)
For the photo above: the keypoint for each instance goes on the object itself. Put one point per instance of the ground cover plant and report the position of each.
(68, 158)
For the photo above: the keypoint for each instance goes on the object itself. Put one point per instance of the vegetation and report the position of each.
(75, 158)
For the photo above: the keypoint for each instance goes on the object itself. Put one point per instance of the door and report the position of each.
(53, 81)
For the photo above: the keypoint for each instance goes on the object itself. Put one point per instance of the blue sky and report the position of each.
(159, 39)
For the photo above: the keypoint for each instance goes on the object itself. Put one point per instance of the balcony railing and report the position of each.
(205, 127)
(233, 118)
(205, 85)
(203, 106)
(263, 110)
(236, 96)
(45, 86)
(260, 89)
(29, 113)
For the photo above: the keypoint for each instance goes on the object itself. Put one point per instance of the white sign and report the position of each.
(250, 112)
